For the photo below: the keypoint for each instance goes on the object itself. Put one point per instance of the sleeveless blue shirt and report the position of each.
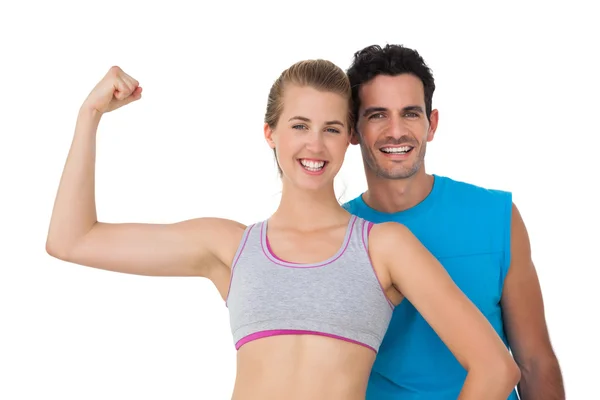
(467, 228)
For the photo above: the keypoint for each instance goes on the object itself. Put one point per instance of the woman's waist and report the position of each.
(294, 389)
(302, 366)
(283, 382)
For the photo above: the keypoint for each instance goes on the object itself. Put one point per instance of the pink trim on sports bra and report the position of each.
(277, 332)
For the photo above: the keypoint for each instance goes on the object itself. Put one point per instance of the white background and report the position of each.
(518, 98)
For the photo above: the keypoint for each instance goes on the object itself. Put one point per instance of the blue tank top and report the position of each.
(467, 228)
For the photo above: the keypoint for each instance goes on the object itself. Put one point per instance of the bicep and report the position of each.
(187, 248)
(522, 303)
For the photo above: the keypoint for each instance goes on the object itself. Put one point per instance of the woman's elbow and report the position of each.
(58, 249)
(501, 371)
(53, 250)
(510, 371)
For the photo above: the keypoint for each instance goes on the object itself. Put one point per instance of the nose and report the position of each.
(315, 142)
(396, 127)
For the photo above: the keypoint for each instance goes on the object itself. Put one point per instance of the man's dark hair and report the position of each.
(391, 60)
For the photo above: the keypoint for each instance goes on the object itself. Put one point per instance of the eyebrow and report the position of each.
(333, 122)
(372, 110)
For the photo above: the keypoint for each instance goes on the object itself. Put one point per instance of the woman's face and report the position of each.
(311, 136)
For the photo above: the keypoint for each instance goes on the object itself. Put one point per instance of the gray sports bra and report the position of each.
(340, 297)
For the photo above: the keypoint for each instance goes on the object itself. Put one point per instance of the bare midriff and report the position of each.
(300, 367)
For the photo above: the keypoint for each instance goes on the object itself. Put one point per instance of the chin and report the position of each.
(394, 171)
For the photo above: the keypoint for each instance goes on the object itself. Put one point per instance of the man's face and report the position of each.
(392, 128)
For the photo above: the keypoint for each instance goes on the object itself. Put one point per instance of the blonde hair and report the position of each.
(319, 74)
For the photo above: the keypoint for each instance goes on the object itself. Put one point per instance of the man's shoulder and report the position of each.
(471, 192)
(450, 193)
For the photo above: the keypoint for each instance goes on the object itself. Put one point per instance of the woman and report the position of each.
(311, 290)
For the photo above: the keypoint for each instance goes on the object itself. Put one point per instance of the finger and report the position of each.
(122, 88)
(130, 86)
(132, 82)
(135, 95)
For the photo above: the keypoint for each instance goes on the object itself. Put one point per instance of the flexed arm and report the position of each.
(188, 248)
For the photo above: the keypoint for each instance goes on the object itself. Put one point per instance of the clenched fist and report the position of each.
(115, 90)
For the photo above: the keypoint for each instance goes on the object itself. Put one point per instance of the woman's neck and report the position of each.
(308, 209)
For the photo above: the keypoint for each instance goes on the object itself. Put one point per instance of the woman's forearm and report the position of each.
(74, 212)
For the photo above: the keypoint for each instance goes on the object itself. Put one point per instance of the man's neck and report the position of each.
(395, 195)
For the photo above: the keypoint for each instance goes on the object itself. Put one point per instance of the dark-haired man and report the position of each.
(476, 233)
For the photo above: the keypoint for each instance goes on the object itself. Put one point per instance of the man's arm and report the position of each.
(525, 322)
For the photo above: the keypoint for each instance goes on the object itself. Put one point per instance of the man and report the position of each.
(476, 233)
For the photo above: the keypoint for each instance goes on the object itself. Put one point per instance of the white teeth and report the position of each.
(312, 165)
(396, 150)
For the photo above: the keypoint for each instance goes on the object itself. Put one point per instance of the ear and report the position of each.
(433, 124)
(269, 136)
